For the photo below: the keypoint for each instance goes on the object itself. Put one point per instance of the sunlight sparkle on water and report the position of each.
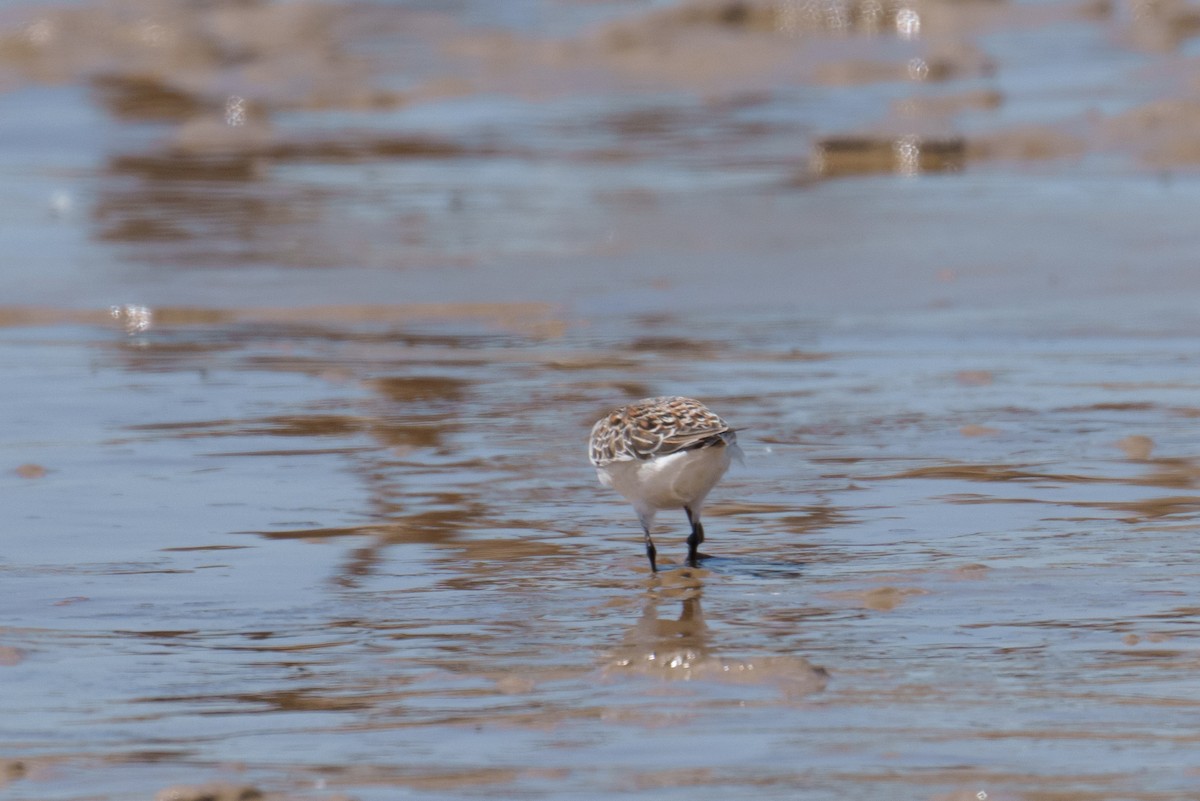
(151, 33)
(908, 155)
(39, 32)
(61, 203)
(135, 319)
(235, 111)
(908, 23)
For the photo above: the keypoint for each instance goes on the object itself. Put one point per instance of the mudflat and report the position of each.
(308, 310)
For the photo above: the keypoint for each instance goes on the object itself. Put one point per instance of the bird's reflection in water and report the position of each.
(668, 643)
(678, 644)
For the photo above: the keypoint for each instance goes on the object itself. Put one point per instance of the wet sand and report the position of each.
(310, 308)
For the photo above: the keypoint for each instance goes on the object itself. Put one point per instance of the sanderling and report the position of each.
(663, 453)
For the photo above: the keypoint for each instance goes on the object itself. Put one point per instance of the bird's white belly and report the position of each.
(668, 482)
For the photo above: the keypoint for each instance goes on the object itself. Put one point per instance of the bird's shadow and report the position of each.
(750, 566)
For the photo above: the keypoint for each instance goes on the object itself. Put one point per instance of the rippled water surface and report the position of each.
(307, 310)
(365, 555)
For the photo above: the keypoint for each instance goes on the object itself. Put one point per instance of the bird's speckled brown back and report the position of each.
(656, 427)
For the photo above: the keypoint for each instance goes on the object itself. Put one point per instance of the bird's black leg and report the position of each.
(695, 538)
(651, 553)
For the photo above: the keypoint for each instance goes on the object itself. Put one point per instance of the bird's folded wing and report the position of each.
(692, 440)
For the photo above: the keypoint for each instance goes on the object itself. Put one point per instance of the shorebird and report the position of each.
(663, 453)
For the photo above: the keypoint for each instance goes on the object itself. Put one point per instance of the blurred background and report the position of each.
(307, 308)
(605, 155)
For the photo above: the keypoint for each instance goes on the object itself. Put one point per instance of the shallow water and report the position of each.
(306, 318)
(362, 557)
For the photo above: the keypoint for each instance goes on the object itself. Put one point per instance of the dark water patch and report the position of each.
(146, 97)
(796, 355)
(662, 344)
(987, 472)
(252, 158)
(1151, 508)
(483, 548)
(409, 435)
(210, 791)
(420, 389)
(753, 567)
(173, 167)
(834, 18)
(845, 155)
(161, 634)
(586, 391)
(167, 352)
(310, 425)
(146, 572)
(317, 534)
(1119, 407)
(293, 452)
(401, 322)
(592, 362)
(144, 229)
(368, 147)
(416, 434)
(387, 355)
